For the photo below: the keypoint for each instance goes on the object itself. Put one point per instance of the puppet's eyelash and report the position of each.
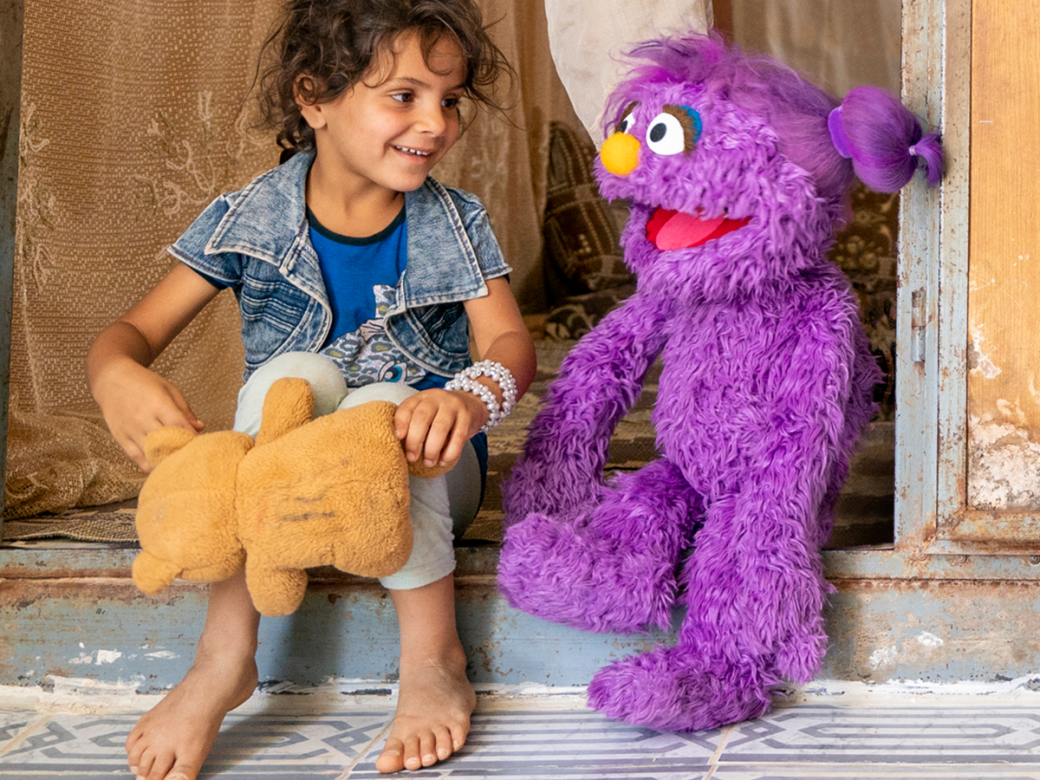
(692, 124)
(625, 123)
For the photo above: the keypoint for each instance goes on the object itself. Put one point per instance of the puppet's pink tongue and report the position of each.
(676, 230)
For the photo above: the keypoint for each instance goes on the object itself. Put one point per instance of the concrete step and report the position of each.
(73, 619)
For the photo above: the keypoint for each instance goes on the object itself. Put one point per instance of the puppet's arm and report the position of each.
(599, 381)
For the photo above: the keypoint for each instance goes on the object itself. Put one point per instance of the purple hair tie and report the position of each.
(913, 150)
(838, 137)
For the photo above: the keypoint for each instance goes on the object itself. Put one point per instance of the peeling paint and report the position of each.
(979, 363)
(108, 656)
(1003, 466)
(82, 658)
(928, 640)
(87, 685)
(162, 654)
(1033, 392)
(1011, 410)
(882, 657)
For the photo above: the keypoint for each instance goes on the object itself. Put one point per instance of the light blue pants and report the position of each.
(440, 507)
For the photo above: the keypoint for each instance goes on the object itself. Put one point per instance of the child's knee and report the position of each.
(324, 377)
(394, 392)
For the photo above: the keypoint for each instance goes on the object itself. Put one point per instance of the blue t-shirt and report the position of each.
(361, 276)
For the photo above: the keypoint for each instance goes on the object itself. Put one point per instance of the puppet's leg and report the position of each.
(614, 567)
(756, 592)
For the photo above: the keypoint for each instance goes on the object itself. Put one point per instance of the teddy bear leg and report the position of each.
(609, 569)
(275, 591)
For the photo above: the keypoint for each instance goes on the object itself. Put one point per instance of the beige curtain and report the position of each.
(589, 38)
(840, 45)
(137, 113)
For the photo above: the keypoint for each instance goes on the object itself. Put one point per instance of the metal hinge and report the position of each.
(918, 318)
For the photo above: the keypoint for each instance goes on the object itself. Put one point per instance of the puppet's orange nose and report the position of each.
(620, 154)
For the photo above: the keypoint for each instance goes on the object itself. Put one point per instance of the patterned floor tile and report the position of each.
(565, 745)
(912, 735)
(286, 747)
(875, 772)
(13, 723)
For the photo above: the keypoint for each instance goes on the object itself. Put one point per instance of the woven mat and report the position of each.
(112, 524)
(865, 510)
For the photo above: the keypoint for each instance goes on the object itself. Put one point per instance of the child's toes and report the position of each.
(412, 756)
(160, 768)
(444, 742)
(428, 748)
(134, 749)
(392, 757)
(143, 764)
(459, 733)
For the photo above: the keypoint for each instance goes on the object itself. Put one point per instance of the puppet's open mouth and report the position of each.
(678, 230)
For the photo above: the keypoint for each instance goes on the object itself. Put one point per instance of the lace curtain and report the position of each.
(135, 115)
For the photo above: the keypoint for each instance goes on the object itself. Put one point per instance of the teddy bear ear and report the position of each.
(163, 442)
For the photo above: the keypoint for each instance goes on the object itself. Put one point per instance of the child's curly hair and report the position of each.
(323, 47)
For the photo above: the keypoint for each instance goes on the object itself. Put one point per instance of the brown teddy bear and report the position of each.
(331, 491)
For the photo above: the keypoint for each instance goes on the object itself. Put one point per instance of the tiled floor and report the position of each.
(921, 737)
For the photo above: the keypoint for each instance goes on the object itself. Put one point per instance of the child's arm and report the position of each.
(436, 424)
(134, 400)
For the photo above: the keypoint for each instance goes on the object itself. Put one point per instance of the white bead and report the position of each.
(502, 376)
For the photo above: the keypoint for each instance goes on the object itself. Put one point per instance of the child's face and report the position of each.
(391, 134)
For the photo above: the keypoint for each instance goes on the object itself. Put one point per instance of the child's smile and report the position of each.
(385, 134)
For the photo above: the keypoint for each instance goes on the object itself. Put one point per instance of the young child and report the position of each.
(358, 272)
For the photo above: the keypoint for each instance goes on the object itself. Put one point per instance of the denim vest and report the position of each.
(257, 241)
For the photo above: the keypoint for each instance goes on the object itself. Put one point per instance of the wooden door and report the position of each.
(989, 469)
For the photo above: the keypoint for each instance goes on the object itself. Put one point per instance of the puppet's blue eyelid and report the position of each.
(698, 123)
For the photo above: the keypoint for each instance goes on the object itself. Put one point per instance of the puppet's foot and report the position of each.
(611, 568)
(675, 689)
(572, 575)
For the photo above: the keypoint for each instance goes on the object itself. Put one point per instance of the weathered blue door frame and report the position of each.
(937, 536)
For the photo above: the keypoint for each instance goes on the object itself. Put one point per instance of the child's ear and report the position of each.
(304, 90)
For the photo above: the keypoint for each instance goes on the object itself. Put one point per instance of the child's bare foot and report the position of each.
(172, 740)
(433, 711)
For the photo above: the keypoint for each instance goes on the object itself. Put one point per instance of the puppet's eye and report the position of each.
(666, 134)
(676, 129)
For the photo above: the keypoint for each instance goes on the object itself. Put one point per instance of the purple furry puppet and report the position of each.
(737, 172)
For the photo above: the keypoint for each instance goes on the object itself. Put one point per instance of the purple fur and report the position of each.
(766, 384)
(881, 132)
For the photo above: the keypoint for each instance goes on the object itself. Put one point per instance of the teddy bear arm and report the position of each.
(152, 574)
(163, 442)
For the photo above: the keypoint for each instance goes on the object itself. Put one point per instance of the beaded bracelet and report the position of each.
(466, 380)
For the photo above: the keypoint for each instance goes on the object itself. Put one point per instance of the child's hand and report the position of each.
(135, 401)
(436, 424)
